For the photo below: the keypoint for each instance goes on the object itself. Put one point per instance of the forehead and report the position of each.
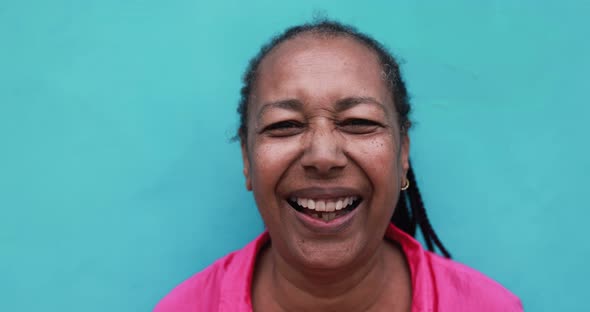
(315, 66)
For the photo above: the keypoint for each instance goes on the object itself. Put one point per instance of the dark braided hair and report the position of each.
(409, 211)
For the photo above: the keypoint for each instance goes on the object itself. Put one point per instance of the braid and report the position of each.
(402, 217)
(419, 217)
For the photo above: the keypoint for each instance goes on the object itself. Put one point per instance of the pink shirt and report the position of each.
(438, 284)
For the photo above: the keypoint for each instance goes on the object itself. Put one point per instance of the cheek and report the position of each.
(270, 159)
(378, 159)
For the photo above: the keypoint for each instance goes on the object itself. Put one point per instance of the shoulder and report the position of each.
(465, 289)
(220, 287)
(441, 284)
(201, 292)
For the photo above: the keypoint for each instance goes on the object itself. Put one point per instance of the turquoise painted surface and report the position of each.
(117, 180)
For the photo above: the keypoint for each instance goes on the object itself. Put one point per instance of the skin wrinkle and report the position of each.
(386, 72)
(364, 305)
(302, 271)
(326, 30)
(295, 105)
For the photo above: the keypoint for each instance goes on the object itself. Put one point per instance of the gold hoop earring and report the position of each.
(406, 186)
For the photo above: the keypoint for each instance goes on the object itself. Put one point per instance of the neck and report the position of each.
(360, 286)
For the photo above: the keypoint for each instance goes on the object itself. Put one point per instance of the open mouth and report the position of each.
(325, 209)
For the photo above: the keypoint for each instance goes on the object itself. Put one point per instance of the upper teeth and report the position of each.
(325, 205)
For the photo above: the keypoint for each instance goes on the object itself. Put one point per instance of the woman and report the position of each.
(324, 136)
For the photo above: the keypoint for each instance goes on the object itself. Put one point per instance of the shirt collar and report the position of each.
(237, 280)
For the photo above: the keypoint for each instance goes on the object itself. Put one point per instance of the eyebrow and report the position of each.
(290, 104)
(350, 102)
(341, 105)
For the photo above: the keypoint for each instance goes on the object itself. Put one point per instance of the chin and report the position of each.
(327, 254)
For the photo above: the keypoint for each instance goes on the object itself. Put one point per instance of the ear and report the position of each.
(246, 162)
(405, 155)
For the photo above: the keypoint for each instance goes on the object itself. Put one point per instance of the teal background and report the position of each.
(118, 180)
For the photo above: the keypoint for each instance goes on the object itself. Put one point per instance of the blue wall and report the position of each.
(117, 180)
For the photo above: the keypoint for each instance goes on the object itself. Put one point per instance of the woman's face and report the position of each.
(324, 156)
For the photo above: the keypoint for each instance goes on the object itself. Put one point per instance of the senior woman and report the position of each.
(325, 146)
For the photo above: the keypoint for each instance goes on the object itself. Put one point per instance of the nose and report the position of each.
(324, 154)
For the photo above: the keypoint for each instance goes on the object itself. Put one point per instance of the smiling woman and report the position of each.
(325, 146)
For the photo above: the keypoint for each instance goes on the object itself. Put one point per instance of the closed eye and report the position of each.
(283, 128)
(359, 125)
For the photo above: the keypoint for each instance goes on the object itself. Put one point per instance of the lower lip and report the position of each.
(321, 226)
